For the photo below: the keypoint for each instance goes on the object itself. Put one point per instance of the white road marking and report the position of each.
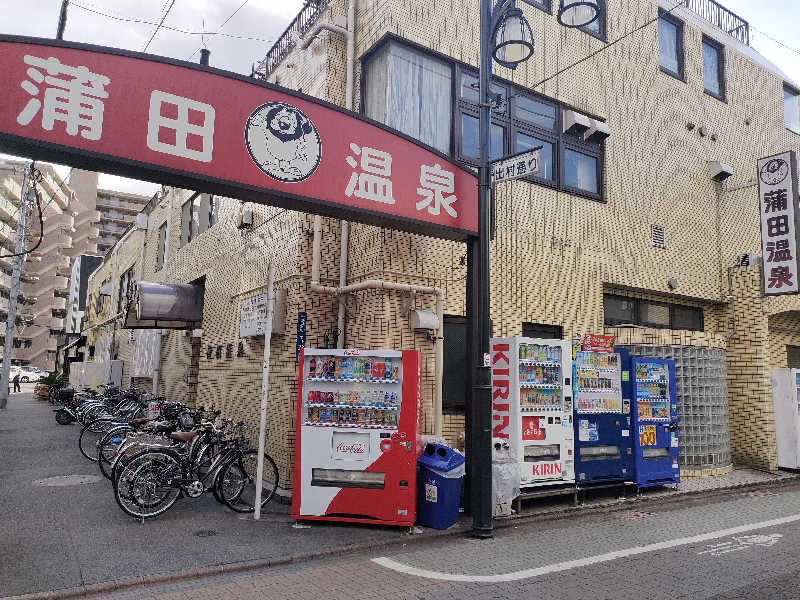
(581, 562)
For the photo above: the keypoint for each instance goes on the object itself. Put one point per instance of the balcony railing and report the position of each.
(718, 15)
(304, 20)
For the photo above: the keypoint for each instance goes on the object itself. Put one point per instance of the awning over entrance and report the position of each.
(165, 306)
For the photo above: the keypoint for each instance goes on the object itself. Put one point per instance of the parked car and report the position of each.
(27, 374)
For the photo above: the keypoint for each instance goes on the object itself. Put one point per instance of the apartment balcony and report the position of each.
(9, 212)
(721, 17)
(54, 191)
(115, 204)
(10, 188)
(41, 344)
(64, 221)
(111, 229)
(8, 235)
(59, 303)
(5, 282)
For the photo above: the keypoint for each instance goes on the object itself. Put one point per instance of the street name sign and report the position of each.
(516, 166)
(214, 131)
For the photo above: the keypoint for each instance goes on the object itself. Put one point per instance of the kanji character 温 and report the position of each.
(75, 99)
(778, 225)
(373, 182)
(172, 133)
(775, 200)
(780, 276)
(434, 183)
(779, 251)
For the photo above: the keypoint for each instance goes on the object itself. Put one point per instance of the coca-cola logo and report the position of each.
(352, 448)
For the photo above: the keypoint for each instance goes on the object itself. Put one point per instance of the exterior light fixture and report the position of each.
(513, 41)
(578, 13)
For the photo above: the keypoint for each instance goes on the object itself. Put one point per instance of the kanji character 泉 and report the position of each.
(775, 200)
(778, 225)
(373, 182)
(173, 132)
(74, 99)
(779, 251)
(434, 183)
(780, 276)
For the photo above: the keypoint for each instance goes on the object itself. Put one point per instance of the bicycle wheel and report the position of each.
(149, 483)
(90, 436)
(108, 446)
(236, 482)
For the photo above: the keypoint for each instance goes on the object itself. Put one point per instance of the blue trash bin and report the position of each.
(441, 470)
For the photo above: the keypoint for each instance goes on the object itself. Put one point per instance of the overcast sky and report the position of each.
(266, 19)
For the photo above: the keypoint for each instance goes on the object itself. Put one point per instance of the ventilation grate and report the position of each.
(659, 236)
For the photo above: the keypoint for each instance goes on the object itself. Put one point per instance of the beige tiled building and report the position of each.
(627, 236)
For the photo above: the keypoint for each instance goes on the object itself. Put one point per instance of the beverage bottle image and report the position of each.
(388, 369)
(337, 368)
(367, 369)
(396, 372)
(312, 367)
(522, 351)
(345, 367)
(324, 364)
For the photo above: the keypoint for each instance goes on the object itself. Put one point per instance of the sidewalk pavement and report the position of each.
(59, 541)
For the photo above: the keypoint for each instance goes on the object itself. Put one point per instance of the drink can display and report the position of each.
(367, 368)
(387, 372)
(377, 370)
(368, 416)
(395, 372)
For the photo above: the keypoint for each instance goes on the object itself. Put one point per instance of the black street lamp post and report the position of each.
(505, 37)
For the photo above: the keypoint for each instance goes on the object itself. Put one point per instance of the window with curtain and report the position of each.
(791, 109)
(713, 68)
(406, 88)
(670, 45)
(411, 92)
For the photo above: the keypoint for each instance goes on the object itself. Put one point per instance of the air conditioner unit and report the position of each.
(575, 123)
(719, 171)
(598, 132)
(141, 221)
(245, 219)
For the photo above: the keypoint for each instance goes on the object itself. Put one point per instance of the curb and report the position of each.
(458, 529)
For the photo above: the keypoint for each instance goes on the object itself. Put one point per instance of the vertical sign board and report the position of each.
(302, 319)
(253, 316)
(780, 223)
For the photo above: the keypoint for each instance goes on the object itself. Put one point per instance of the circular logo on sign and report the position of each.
(774, 171)
(283, 142)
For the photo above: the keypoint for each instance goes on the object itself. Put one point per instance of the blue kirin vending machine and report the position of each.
(603, 451)
(651, 387)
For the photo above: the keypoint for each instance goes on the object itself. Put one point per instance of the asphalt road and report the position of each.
(739, 546)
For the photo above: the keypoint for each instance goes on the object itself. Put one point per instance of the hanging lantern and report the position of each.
(513, 41)
(578, 13)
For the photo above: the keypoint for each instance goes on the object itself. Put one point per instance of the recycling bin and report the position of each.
(441, 471)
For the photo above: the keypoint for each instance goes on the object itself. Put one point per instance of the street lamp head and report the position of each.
(513, 41)
(578, 13)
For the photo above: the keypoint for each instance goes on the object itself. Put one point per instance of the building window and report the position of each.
(521, 119)
(714, 68)
(793, 357)
(621, 310)
(542, 4)
(597, 28)
(670, 44)
(410, 91)
(125, 283)
(542, 331)
(791, 109)
(213, 210)
(454, 377)
(162, 246)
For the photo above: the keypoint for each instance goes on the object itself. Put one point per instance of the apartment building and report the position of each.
(627, 236)
(116, 210)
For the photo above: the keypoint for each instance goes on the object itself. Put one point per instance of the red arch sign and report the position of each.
(205, 129)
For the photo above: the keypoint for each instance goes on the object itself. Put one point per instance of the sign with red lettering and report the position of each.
(598, 343)
(542, 469)
(532, 428)
(501, 387)
(350, 446)
(211, 130)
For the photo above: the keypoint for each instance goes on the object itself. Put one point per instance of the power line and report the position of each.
(160, 23)
(780, 43)
(608, 45)
(221, 26)
(167, 27)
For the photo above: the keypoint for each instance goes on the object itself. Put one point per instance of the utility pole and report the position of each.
(62, 20)
(11, 322)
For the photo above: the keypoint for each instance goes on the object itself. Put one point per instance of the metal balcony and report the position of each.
(54, 191)
(721, 17)
(303, 22)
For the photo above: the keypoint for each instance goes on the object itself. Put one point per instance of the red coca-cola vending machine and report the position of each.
(357, 426)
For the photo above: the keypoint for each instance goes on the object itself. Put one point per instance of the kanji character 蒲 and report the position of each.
(434, 183)
(373, 182)
(776, 200)
(74, 99)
